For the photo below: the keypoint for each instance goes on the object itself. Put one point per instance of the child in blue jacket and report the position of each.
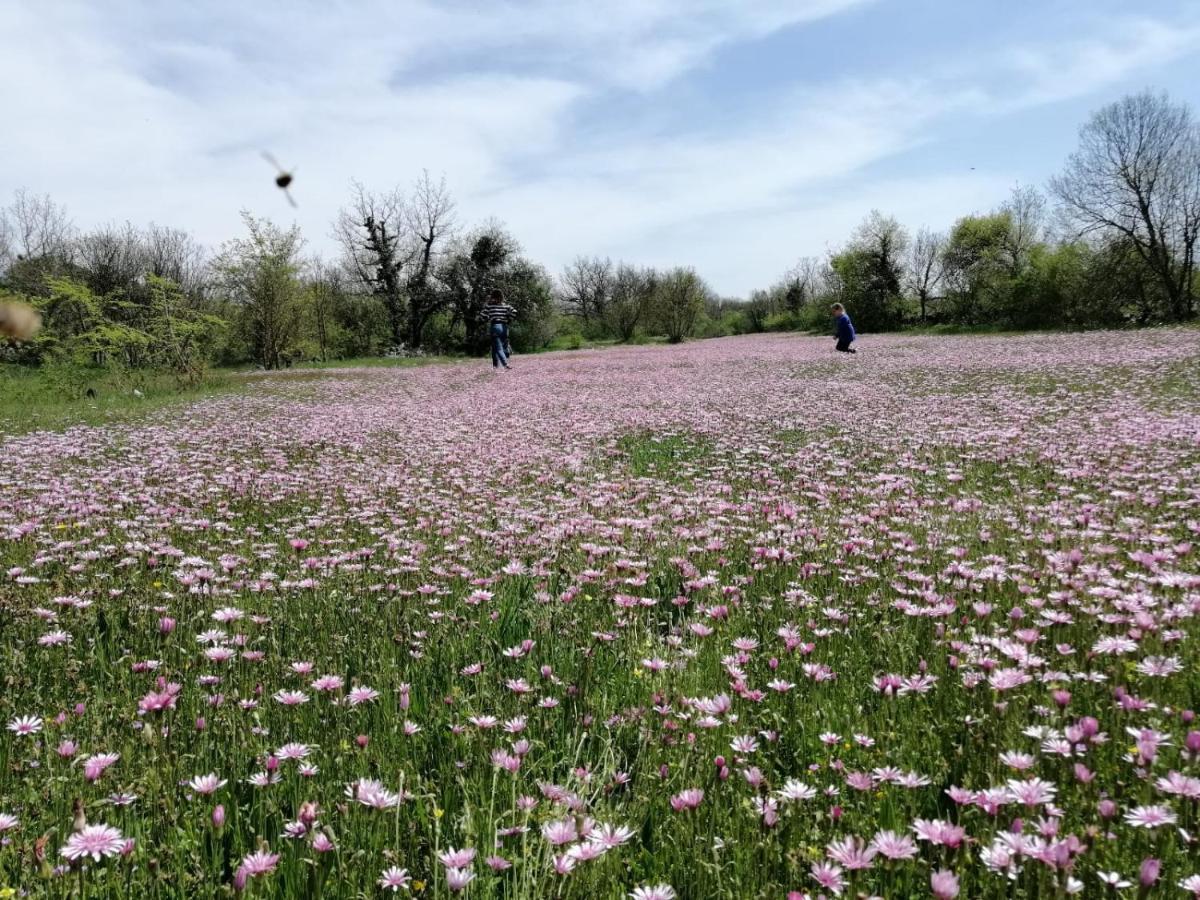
(845, 329)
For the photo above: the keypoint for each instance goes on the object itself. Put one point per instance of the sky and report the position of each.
(733, 136)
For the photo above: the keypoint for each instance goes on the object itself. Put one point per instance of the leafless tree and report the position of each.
(924, 272)
(1026, 211)
(430, 220)
(38, 226)
(175, 254)
(372, 232)
(111, 258)
(1136, 176)
(585, 287)
(8, 251)
(800, 283)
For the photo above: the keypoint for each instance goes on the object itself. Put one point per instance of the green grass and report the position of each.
(52, 399)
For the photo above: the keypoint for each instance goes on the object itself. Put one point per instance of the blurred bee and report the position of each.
(19, 321)
(283, 180)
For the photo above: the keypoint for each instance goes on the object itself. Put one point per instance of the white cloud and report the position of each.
(157, 111)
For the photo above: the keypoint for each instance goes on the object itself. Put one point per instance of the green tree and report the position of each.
(630, 300)
(679, 300)
(261, 276)
(869, 273)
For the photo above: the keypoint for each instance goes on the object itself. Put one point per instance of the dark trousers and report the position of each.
(843, 346)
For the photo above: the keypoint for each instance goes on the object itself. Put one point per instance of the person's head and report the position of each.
(837, 309)
(495, 296)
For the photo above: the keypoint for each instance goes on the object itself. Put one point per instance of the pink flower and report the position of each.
(1150, 816)
(829, 876)
(457, 859)
(458, 879)
(688, 799)
(944, 884)
(96, 841)
(394, 878)
(24, 726)
(94, 766)
(559, 832)
(655, 892)
(851, 853)
(207, 784)
(894, 846)
(259, 863)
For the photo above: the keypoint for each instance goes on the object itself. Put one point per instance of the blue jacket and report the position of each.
(845, 330)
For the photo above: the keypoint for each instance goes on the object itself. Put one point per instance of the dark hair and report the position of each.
(495, 294)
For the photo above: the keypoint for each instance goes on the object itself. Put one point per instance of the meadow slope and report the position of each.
(738, 618)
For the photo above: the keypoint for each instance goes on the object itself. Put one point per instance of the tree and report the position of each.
(869, 272)
(176, 255)
(976, 268)
(35, 242)
(371, 232)
(630, 300)
(1026, 211)
(490, 259)
(430, 217)
(326, 292)
(181, 337)
(586, 285)
(924, 272)
(111, 259)
(1136, 177)
(799, 284)
(261, 276)
(679, 297)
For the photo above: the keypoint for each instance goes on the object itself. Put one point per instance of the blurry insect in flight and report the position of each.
(284, 179)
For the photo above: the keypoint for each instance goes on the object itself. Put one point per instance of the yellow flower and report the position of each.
(7, 892)
(438, 812)
(418, 886)
(158, 584)
(638, 672)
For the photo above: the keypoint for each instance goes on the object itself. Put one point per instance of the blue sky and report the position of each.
(735, 137)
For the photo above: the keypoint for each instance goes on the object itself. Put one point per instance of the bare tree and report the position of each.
(800, 283)
(110, 258)
(1136, 176)
(430, 219)
(1026, 211)
(925, 272)
(372, 232)
(585, 287)
(175, 254)
(39, 227)
(8, 251)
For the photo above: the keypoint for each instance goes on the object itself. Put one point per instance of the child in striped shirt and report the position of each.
(498, 315)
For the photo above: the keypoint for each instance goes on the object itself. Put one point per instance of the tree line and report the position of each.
(1111, 243)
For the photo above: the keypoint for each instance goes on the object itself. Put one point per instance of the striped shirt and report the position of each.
(499, 313)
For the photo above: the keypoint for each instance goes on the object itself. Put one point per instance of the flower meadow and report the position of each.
(740, 618)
